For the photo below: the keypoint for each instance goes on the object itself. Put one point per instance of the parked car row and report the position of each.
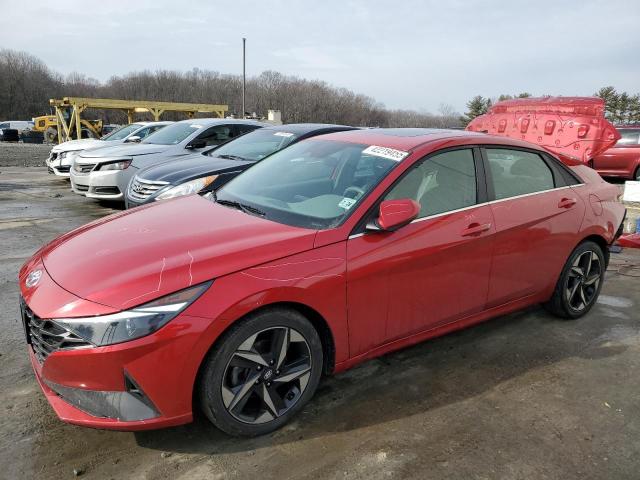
(63, 155)
(312, 249)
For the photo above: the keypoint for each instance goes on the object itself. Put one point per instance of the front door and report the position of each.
(430, 272)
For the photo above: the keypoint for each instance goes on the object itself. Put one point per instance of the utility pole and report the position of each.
(244, 75)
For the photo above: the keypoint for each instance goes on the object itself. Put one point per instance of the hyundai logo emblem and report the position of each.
(137, 188)
(33, 278)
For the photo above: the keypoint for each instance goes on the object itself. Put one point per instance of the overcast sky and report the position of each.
(404, 53)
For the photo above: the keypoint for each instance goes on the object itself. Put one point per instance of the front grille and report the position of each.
(141, 189)
(45, 336)
(84, 167)
(64, 168)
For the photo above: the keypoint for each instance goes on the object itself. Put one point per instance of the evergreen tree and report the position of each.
(477, 106)
(610, 97)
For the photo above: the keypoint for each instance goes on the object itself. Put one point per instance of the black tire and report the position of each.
(576, 293)
(218, 373)
(636, 177)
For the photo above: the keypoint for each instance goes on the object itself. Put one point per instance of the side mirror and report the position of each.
(134, 139)
(197, 143)
(395, 214)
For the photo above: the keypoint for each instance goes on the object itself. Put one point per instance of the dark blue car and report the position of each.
(207, 171)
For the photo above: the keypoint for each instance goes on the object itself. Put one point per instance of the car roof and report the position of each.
(408, 139)
(162, 122)
(306, 127)
(214, 121)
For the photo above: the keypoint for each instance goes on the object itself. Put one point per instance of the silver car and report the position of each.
(62, 156)
(105, 173)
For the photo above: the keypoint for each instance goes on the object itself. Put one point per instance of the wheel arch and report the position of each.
(601, 242)
(317, 321)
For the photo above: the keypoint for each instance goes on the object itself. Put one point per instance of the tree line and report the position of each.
(621, 108)
(27, 84)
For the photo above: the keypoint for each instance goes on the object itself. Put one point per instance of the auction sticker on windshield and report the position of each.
(284, 134)
(346, 203)
(384, 152)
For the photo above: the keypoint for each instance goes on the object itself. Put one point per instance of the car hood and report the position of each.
(74, 145)
(571, 127)
(127, 150)
(135, 256)
(190, 167)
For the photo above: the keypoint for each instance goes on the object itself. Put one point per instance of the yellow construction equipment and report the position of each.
(48, 125)
(69, 124)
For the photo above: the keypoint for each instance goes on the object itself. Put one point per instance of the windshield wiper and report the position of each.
(233, 157)
(241, 206)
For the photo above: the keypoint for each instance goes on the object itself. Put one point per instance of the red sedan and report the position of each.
(333, 251)
(623, 159)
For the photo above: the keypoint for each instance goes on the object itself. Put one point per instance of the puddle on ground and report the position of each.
(613, 313)
(610, 301)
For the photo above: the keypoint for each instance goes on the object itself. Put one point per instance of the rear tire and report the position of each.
(261, 373)
(636, 177)
(580, 282)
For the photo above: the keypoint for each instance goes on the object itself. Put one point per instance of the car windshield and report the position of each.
(122, 132)
(312, 184)
(255, 145)
(173, 134)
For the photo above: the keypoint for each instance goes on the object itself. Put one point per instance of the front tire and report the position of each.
(580, 282)
(263, 371)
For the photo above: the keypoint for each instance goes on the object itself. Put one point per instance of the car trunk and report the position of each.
(574, 128)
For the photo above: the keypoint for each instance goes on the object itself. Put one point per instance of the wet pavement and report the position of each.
(520, 396)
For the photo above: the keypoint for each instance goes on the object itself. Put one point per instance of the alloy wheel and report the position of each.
(583, 280)
(266, 375)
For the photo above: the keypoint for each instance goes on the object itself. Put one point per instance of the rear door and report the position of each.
(430, 272)
(621, 160)
(536, 214)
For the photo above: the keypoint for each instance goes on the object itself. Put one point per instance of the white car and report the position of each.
(19, 125)
(105, 173)
(62, 156)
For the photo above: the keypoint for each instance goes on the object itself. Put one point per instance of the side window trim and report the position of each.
(359, 228)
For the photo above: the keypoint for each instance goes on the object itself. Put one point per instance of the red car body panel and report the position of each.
(130, 260)
(572, 126)
(369, 289)
(619, 161)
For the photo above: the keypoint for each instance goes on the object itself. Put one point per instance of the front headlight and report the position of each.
(118, 165)
(187, 188)
(62, 155)
(135, 323)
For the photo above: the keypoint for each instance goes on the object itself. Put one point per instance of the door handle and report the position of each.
(567, 203)
(475, 229)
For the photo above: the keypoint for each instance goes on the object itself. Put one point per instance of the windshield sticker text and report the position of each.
(384, 152)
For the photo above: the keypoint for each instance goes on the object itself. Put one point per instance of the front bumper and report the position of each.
(79, 182)
(128, 386)
(72, 414)
(110, 184)
(59, 167)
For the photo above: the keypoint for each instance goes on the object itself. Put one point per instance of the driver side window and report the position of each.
(216, 135)
(440, 184)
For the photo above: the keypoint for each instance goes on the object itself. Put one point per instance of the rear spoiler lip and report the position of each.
(555, 125)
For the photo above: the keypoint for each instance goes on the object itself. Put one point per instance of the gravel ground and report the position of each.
(518, 397)
(23, 154)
